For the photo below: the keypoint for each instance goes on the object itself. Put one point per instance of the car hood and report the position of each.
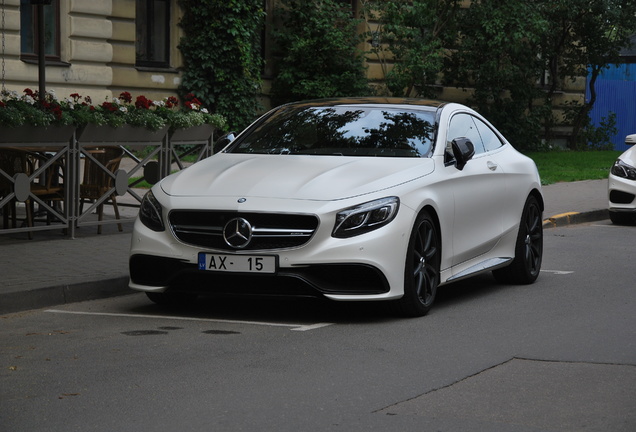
(293, 177)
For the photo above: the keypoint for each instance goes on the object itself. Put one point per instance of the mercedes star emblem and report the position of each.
(237, 233)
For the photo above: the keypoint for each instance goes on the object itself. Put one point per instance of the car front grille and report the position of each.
(205, 228)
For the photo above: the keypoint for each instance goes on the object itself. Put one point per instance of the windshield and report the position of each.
(341, 130)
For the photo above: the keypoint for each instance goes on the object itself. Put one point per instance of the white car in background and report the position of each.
(348, 199)
(622, 186)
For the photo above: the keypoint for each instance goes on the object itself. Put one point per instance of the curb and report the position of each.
(572, 218)
(61, 294)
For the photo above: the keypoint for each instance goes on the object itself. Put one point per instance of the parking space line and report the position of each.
(293, 327)
(311, 327)
(558, 272)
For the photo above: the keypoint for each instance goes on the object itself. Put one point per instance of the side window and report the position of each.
(462, 125)
(152, 21)
(29, 30)
(490, 139)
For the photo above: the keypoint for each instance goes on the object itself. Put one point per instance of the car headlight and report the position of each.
(621, 169)
(150, 212)
(365, 217)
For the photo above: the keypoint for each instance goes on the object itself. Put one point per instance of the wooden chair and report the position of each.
(99, 180)
(47, 188)
(10, 164)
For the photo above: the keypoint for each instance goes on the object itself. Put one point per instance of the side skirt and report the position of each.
(484, 266)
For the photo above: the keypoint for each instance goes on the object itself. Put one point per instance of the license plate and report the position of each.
(237, 263)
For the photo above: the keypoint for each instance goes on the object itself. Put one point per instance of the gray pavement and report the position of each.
(54, 269)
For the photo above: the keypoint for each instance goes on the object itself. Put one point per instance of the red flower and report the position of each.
(126, 97)
(143, 102)
(109, 106)
(29, 92)
(193, 104)
(57, 112)
(2, 104)
(172, 102)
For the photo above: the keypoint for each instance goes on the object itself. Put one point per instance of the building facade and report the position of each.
(94, 48)
(102, 48)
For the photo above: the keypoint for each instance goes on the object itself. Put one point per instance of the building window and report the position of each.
(29, 31)
(153, 33)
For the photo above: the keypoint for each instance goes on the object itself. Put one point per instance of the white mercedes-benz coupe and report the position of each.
(348, 199)
(622, 186)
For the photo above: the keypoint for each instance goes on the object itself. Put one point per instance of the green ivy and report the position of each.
(222, 58)
(415, 34)
(317, 50)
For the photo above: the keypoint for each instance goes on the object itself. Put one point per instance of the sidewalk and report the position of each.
(53, 269)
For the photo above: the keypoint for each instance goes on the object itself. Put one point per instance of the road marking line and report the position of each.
(558, 272)
(311, 327)
(293, 327)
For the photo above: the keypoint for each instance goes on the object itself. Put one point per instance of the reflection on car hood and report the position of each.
(294, 177)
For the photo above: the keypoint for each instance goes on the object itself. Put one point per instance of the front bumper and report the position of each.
(365, 267)
(621, 194)
(311, 280)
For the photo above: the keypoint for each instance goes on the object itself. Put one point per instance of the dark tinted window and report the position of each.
(153, 33)
(346, 131)
(29, 30)
(488, 136)
(463, 126)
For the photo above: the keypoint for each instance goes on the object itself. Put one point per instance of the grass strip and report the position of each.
(568, 166)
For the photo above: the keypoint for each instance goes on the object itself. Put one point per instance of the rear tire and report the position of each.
(421, 268)
(526, 266)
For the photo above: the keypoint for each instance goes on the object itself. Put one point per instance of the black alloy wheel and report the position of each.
(421, 270)
(526, 266)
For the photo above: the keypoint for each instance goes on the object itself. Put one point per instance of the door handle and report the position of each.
(491, 165)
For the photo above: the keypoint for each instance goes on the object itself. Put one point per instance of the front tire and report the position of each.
(618, 218)
(526, 266)
(421, 268)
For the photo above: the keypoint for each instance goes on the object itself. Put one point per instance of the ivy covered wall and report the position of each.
(222, 58)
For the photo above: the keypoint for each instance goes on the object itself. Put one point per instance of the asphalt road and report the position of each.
(558, 355)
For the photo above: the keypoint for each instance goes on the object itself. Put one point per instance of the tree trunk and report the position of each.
(582, 118)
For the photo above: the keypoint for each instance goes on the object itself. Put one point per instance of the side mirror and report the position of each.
(630, 139)
(223, 142)
(463, 151)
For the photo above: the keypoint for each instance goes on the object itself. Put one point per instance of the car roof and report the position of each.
(372, 101)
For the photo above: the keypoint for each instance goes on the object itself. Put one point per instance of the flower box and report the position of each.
(198, 133)
(41, 135)
(124, 134)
